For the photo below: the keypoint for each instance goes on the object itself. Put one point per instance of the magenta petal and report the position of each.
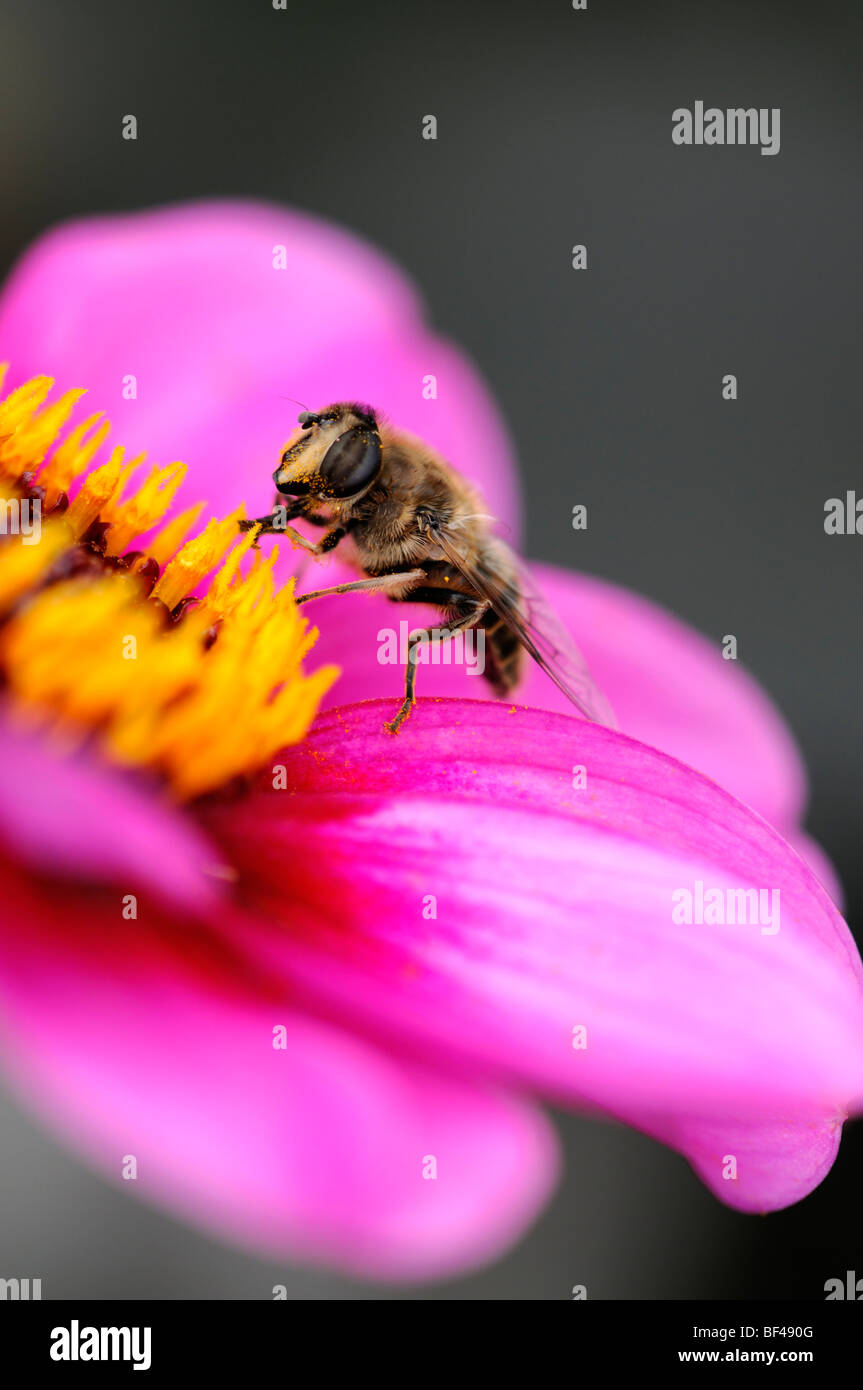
(671, 688)
(552, 909)
(130, 1046)
(187, 300)
(76, 817)
(820, 863)
(756, 1166)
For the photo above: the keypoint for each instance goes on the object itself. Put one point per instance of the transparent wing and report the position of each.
(530, 619)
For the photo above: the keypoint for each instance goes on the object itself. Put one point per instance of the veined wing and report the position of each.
(530, 619)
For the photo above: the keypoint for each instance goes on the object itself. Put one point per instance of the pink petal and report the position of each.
(554, 910)
(74, 816)
(756, 1166)
(186, 299)
(130, 1041)
(671, 688)
(820, 863)
(667, 684)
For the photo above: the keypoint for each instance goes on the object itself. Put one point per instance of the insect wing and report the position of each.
(529, 617)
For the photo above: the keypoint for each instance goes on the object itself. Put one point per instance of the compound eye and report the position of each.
(352, 463)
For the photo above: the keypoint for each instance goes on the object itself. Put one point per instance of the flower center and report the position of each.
(200, 682)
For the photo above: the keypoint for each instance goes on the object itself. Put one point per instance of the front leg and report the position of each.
(326, 543)
(277, 519)
(266, 523)
(276, 525)
(296, 510)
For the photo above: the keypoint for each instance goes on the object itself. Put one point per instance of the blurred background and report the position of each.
(554, 129)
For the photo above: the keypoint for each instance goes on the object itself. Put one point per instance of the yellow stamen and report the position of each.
(73, 456)
(22, 567)
(98, 491)
(26, 445)
(200, 700)
(19, 405)
(196, 559)
(149, 505)
(171, 537)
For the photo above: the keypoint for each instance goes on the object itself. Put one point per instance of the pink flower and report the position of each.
(326, 1031)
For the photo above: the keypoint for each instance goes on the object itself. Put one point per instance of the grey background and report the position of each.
(554, 129)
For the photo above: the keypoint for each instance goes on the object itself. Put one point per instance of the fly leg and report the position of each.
(390, 584)
(266, 523)
(276, 521)
(422, 637)
(276, 524)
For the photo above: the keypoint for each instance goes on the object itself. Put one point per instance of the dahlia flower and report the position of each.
(309, 982)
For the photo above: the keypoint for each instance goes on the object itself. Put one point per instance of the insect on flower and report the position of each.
(416, 530)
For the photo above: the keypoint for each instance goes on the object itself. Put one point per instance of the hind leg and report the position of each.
(422, 637)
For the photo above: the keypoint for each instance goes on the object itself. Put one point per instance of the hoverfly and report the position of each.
(415, 529)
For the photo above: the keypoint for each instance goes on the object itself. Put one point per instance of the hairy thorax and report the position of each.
(386, 534)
